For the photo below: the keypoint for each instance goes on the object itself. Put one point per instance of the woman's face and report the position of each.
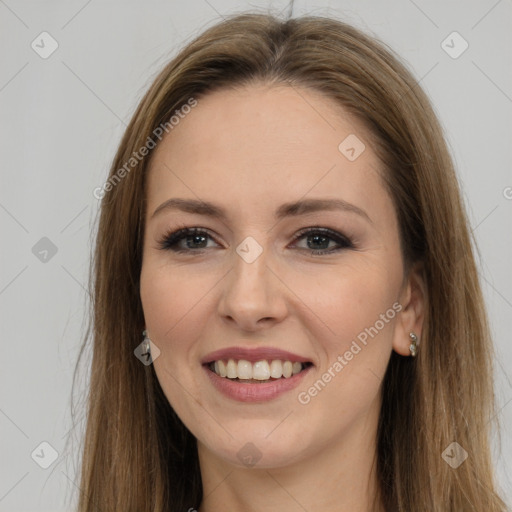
(322, 284)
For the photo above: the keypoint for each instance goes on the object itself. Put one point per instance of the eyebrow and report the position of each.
(292, 209)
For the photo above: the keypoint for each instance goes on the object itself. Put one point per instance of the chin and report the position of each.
(258, 451)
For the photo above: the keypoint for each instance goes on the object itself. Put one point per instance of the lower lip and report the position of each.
(245, 392)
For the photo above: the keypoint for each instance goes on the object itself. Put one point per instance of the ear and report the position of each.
(410, 319)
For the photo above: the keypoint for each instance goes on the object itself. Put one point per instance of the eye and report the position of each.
(319, 239)
(193, 238)
(187, 240)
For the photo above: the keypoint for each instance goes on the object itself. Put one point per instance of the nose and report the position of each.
(253, 296)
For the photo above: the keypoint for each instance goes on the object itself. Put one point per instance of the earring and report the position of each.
(413, 346)
(147, 346)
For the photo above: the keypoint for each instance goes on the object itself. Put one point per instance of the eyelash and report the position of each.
(171, 239)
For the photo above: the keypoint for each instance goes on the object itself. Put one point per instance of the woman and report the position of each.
(287, 313)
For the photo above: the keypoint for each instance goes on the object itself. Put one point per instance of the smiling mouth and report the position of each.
(259, 372)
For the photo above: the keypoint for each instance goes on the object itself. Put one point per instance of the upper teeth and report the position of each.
(260, 370)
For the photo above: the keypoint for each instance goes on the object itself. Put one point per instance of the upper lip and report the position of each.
(253, 355)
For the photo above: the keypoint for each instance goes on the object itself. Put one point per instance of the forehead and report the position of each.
(270, 143)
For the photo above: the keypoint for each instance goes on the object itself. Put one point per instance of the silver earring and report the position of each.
(147, 346)
(413, 348)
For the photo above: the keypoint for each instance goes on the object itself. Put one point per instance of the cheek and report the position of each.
(353, 322)
(347, 301)
(173, 304)
(171, 301)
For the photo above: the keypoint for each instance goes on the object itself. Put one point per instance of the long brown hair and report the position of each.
(137, 454)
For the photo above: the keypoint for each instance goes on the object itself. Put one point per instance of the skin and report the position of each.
(250, 150)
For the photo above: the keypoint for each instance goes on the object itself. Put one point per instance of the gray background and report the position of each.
(62, 118)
